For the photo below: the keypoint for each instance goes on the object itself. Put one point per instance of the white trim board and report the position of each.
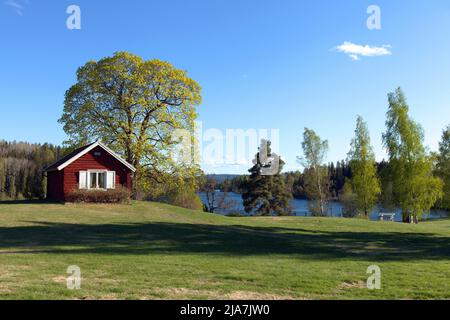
(92, 147)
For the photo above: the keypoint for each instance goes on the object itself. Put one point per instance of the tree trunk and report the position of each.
(406, 218)
(134, 181)
(319, 186)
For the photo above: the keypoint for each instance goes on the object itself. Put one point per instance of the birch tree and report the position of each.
(415, 189)
(364, 182)
(316, 173)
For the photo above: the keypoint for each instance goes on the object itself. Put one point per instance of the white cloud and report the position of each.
(356, 51)
(18, 8)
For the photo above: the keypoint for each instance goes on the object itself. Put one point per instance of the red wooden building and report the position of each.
(93, 167)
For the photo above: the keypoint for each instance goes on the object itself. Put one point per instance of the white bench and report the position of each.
(389, 216)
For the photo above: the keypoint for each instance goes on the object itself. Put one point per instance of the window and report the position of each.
(98, 180)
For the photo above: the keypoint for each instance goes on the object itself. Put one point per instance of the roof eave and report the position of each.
(91, 147)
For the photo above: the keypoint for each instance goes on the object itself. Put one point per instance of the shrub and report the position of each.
(349, 201)
(349, 205)
(120, 195)
(185, 198)
(314, 208)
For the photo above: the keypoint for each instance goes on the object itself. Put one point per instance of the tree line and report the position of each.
(412, 178)
(294, 180)
(21, 165)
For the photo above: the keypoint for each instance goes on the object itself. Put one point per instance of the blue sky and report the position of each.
(262, 64)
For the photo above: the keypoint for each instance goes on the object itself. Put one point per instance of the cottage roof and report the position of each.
(73, 156)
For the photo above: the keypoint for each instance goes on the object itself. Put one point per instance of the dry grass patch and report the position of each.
(185, 293)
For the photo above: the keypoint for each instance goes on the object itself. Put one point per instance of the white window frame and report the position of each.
(87, 183)
(89, 172)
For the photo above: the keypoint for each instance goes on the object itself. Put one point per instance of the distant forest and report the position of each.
(21, 165)
(338, 173)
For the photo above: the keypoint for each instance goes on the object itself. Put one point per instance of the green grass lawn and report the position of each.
(155, 251)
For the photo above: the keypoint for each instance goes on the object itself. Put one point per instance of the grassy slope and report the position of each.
(154, 251)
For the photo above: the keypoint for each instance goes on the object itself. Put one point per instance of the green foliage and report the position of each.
(415, 189)
(364, 181)
(387, 201)
(294, 181)
(349, 201)
(316, 180)
(266, 193)
(119, 195)
(135, 107)
(443, 166)
(185, 198)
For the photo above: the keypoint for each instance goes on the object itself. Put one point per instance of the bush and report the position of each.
(185, 198)
(349, 201)
(120, 195)
(349, 205)
(314, 208)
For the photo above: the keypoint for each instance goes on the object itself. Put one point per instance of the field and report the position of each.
(155, 251)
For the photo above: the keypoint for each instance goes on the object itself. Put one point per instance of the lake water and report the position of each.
(300, 208)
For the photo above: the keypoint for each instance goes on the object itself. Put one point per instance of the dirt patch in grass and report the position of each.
(184, 293)
(352, 285)
(59, 279)
(4, 289)
(249, 295)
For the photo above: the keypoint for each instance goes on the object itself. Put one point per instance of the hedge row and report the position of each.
(120, 195)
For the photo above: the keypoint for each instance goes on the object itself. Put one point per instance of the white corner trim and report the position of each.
(101, 145)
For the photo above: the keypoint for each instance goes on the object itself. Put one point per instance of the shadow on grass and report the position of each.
(28, 202)
(173, 238)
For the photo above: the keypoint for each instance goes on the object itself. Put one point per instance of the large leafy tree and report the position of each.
(443, 166)
(134, 106)
(364, 182)
(265, 192)
(415, 189)
(316, 178)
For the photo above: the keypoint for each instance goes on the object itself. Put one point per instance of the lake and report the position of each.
(300, 208)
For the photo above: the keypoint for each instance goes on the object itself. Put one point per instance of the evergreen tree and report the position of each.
(265, 192)
(415, 189)
(364, 182)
